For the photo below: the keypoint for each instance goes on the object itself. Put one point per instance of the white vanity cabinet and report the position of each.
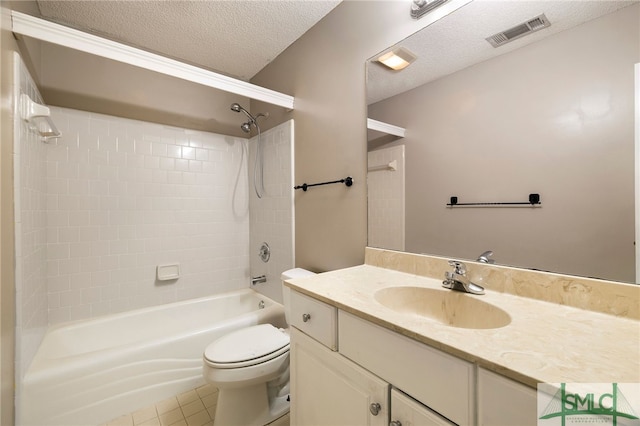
(328, 389)
(381, 377)
(440, 381)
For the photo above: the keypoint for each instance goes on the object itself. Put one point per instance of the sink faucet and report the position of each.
(484, 257)
(457, 279)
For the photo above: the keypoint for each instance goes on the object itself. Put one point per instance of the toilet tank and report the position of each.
(286, 291)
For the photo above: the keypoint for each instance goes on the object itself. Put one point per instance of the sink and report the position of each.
(452, 308)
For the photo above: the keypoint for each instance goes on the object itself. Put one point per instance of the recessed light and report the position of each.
(397, 59)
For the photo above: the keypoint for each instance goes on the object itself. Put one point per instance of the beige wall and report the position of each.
(325, 72)
(105, 86)
(567, 134)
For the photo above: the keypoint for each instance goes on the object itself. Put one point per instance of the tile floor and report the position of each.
(196, 407)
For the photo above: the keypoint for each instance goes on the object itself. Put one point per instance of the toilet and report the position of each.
(250, 368)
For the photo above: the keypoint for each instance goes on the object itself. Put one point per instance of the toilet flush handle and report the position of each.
(306, 317)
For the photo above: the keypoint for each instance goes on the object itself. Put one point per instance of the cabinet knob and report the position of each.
(395, 423)
(306, 317)
(375, 408)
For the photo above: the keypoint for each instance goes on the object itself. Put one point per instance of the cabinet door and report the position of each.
(504, 402)
(406, 411)
(328, 389)
(441, 381)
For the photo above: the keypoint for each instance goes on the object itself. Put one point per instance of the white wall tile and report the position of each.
(141, 194)
(277, 144)
(30, 206)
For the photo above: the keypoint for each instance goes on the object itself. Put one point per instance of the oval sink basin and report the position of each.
(452, 308)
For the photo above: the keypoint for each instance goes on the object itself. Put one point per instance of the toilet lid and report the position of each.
(246, 344)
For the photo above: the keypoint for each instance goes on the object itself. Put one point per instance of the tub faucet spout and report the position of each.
(259, 279)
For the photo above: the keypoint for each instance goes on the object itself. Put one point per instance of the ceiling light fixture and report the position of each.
(419, 8)
(397, 59)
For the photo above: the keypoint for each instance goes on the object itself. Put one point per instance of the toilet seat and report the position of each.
(246, 347)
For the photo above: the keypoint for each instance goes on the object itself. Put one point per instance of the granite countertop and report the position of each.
(544, 343)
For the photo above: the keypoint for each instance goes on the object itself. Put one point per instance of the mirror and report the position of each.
(548, 113)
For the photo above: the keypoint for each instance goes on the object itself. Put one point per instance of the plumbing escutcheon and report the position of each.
(265, 252)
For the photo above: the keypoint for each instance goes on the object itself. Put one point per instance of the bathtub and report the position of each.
(89, 372)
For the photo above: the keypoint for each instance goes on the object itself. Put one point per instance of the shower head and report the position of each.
(238, 108)
(246, 127)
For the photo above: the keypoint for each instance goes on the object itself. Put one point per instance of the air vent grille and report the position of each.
(538, 23)
(521, 30)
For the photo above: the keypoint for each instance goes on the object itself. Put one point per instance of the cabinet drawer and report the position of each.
(316, 319)
(440, 381)
(408, 412)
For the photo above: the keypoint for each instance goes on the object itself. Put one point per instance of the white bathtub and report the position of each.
(89, 372)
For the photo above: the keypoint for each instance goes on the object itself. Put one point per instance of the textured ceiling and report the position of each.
(458, 40)
(236, 38)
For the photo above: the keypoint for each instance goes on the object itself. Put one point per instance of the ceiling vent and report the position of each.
(526, 28)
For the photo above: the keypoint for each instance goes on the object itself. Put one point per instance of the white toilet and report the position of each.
(250, 367)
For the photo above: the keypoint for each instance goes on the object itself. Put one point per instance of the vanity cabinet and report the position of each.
(381, 377)
(328, 389)
(440, 381)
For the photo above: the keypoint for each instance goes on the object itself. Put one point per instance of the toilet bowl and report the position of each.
(250, 368)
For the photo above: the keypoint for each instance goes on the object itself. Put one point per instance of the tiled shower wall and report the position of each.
(125, 196)
(30, 201)
(97, 211)
(272, 215)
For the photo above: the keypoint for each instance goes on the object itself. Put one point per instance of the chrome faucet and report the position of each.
(484, 257)
(259, 279)
(457, 279)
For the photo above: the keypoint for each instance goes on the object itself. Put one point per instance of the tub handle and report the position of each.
(306, 317)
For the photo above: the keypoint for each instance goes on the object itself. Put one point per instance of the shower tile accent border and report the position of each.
(609, 297)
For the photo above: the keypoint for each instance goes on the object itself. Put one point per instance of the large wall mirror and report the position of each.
(550, 112)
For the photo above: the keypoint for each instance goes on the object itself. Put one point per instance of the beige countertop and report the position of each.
(544, 342)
